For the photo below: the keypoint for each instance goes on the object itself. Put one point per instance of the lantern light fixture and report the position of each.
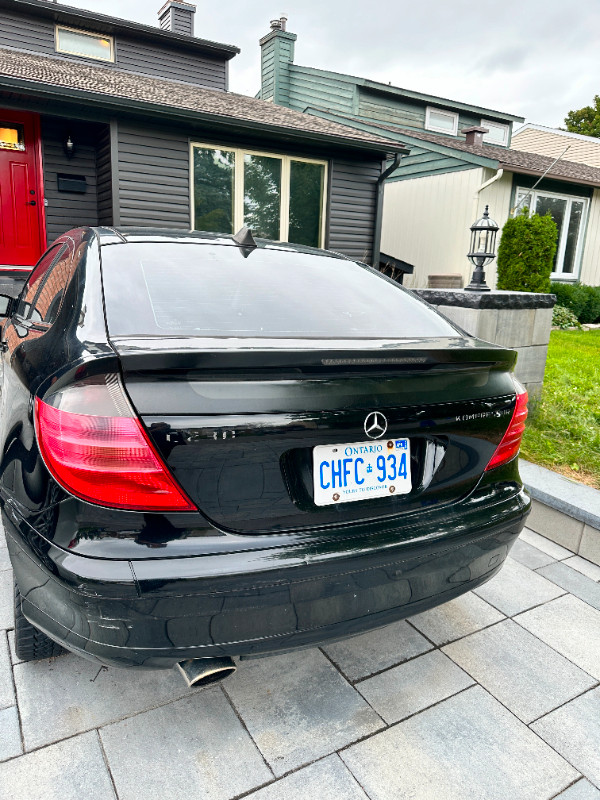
(482, 251)
(69, 145)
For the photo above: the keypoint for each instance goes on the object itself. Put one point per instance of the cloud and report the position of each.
(535, 58)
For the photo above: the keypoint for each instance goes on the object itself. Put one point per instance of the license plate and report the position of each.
(343, 473)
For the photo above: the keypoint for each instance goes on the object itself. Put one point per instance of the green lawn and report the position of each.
(563, 429)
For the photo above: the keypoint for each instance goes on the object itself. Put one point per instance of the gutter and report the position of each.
(379, 208)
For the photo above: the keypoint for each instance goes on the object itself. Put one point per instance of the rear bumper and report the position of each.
(154, 613)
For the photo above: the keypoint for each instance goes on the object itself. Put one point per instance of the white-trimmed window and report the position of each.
(278, 197)
(570, 215)
(497, 132)
(84, 43)
(441, 121)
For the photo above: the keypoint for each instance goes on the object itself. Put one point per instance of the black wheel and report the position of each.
(30, 643)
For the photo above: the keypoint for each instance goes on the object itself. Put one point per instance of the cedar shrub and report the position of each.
(526, 252)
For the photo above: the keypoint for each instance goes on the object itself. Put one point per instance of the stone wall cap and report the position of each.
(563, 494)
(499, 298)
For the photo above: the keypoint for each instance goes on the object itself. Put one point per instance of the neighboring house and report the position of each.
(461, 159)
(108, 122)
(553, 142)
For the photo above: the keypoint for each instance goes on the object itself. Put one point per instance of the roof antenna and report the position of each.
(245, 240)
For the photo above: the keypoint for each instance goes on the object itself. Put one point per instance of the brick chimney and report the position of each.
(177, 16)
(475, 135)
(276, 55)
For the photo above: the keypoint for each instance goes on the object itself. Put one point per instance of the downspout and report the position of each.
(379, 208)
(493, 179)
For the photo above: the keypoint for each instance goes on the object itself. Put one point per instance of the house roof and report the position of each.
(91, 20)
(513, 160)
(110, 88)
(490, 155)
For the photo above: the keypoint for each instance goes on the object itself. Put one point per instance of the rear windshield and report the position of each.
(181, 289)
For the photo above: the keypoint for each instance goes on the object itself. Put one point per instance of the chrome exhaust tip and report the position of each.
(204, 671)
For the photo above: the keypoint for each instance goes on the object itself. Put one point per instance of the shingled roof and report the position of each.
(109, 87)
(513, 160)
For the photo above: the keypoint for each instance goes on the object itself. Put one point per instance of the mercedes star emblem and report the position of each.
(375, 425)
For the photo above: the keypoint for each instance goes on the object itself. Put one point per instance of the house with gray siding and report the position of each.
(109, 122)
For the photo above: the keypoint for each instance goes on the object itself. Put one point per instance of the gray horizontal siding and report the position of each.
(154, 187)
(67, 210)
(154, 177)
(103, 177)
(353, 194)
(174, 64)
(27, 33)
(132, 55)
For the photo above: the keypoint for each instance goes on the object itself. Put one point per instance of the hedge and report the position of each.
(582, 300)
(526, 252)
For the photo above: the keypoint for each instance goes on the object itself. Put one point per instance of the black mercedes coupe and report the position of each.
(215, 447)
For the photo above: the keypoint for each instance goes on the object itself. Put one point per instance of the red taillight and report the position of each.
(511, 441)
(104, 459)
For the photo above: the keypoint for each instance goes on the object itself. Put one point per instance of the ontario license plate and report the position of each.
(361, 470)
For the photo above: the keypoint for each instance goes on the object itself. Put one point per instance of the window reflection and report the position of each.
(262, 195)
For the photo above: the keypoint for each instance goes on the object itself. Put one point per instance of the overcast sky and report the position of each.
(535, 58)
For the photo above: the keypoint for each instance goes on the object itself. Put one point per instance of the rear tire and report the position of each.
(30, 643)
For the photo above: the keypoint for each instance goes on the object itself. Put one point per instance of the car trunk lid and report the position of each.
(237, 420)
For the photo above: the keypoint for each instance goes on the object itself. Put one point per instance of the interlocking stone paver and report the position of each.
(517, 588)
(411, 687)
(7, 695)
(574, 582)
(11, 647)
(370, 652)
(574, 731)
(298, 708)
(584, 566)
(526, 675)
(466, 746)
(68, 694)
(195, 747)
(70, 770)
(545, 545)
(453, 620)
(582, 790)
(10, 736)
(4, 558)
(529, 556)
(328, 779)
(570, 626)
(7, 619)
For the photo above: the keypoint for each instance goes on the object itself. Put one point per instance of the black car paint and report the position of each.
(150, 589)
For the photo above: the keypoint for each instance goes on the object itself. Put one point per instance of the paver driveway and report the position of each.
(494, 695)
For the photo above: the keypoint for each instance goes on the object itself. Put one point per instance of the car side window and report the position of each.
(42, 298)
(36, 280)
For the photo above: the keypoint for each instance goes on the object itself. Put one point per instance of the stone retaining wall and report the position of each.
(519, 320)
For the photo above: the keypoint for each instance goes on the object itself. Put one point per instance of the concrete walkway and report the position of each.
(494, 695)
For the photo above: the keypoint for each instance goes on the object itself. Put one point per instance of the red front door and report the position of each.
(21, 200)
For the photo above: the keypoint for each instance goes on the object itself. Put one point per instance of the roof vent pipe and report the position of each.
(475, 135)
(177, 16)
(279, 24)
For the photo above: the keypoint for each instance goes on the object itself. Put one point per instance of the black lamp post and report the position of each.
(482, 252)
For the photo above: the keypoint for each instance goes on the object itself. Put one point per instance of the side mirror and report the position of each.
(7, 305)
